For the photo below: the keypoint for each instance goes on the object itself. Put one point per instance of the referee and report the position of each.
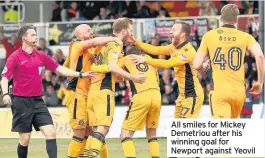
(25, 67)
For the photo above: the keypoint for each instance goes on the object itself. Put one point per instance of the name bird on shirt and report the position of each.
(227, 39)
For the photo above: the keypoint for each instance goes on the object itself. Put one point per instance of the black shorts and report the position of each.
(28, 111)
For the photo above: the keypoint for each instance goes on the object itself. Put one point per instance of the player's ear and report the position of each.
(123, 31)
(182, 34)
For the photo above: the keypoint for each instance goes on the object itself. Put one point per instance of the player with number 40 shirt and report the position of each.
(226, 48)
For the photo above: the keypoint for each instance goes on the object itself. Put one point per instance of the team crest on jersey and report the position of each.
(81, 122)
(115, 55)
(182, 57)
(4, 70)
(220, 31)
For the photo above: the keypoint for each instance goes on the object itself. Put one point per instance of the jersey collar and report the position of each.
(24, 52)
(113, 35)
(228, 26)
(182, 44)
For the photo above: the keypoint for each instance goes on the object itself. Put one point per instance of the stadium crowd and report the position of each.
(54, 85)
(76, 11)
(102, 10)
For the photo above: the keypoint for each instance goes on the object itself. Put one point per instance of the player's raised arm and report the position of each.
(256, 51)
(201, 54)
(99, 41)
(154, 50)
(114, 67)
(161, 63)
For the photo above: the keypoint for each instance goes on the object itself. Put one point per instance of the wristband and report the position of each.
(5, 95)
(80, 75)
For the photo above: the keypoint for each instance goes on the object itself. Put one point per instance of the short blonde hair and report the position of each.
(229, 13)
(120, 24)
(185, 27)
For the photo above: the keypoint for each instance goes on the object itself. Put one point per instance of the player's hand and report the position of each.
(91, 74)
(139, 78)
(206, 65)
(131, 40)
(137, 59)
(7, 100)
(119, 41)
(256, 88)
(119, 79)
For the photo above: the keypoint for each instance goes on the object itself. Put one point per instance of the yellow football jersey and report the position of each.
(152, 79)
(79, 60)
(226, 48)
(181, 59)
(111, 51)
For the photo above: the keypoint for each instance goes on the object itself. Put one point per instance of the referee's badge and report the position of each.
(4, 70)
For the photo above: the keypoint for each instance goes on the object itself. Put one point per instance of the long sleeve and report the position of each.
(6, 44)
(161, 63)
(154, 50)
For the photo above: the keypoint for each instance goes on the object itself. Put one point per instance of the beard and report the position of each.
(176, 39)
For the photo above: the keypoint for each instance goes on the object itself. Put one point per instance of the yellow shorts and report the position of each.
(144, 109)
(77, 107)
(100, 104)
(226, 104)
(189, 107)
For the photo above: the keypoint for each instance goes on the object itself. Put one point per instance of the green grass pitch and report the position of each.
(37, 148)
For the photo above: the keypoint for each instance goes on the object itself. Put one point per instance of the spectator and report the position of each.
(56, 13)
(207, 9)
(155, 41)
(50, 96)
(170, 96)
(12, 46)
(55, 57)
(247, 70)
(128, 94)
(144, 11)
(120, 92)
(47, 78)
(249, 59)
(162, 14)
(61, 57)
(247, 109)
(104, 14)
(255, 7)
(166, 79)
(42, 47)
(55, 82)
(90, 9)
(129, 9)
(61, 93)
(253, 75)
(72, 12)
(159, 11)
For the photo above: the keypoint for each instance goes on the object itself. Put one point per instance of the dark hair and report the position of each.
(21, 32)
(42, 39)
(133, 50)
